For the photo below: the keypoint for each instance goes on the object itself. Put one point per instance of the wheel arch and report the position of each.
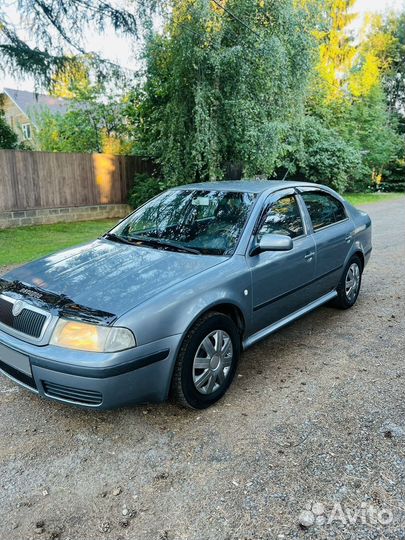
(360, 255)
(356, 251)
(227, 308)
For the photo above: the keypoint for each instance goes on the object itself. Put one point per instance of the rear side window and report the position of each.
(323, 209)
(283, 217)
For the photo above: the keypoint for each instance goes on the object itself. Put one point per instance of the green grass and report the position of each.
(357, 199)
(28, 243)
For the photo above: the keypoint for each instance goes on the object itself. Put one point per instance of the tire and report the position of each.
(200, 381)
(347, 296)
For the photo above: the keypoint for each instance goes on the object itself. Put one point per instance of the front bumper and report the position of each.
(91, 380)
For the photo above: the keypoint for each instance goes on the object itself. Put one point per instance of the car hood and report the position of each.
(111, 277)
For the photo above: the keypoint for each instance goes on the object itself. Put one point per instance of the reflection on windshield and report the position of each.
(197, 221)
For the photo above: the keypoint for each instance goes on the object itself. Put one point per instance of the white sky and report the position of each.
(120, 50)
(375, 6)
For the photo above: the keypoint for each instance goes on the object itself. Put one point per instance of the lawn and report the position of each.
(357, 199)
(28, 243)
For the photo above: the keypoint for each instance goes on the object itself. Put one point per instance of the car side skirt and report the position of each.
(261, 334)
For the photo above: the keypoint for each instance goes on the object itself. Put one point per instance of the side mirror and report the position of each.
(273, 242)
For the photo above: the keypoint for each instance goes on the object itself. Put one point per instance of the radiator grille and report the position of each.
(77, 395)
(28, 322)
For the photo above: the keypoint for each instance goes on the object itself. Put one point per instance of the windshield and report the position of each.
(197, 221)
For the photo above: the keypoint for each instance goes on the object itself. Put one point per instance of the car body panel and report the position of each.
(282, 282)
(188, 302)
(101, 274)
(332, 249)
(160, 294)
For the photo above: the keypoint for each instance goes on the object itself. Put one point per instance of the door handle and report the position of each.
(348, 238)
(309, 256)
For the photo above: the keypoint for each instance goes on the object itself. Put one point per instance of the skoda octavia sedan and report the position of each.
(163, 304)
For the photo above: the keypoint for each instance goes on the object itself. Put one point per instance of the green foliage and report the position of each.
(392, 54)
(222, 100)
(8, 139)
(71, 132)
(368, 128)
(365, 125)
(326, 158)
(144, 188)
(348, 97)
(73, 81)
(394, 179)
(252, 88)
(219, 95)
(57, 26)
(98, 124)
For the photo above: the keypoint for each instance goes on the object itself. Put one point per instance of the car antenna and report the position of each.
(286, 173)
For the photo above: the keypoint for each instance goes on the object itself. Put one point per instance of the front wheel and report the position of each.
(349, 285)
(207, 361)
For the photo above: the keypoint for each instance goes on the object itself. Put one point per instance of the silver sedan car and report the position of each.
(163, 304)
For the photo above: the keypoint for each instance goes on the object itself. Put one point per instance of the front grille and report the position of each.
(77, 395)
(28, 322)
(18, 375)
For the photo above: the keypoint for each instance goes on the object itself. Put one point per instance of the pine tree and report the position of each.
(57, 31)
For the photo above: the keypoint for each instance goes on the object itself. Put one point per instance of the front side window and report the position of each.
(206, 221)
(323, 209)
(283, 217)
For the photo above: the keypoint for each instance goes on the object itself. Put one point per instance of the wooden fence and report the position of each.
(31, 180)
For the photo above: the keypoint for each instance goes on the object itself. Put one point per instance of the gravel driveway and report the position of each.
(313, 428)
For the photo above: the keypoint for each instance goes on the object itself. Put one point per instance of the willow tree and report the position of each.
(225, 81)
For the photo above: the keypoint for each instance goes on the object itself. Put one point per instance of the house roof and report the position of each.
(31, 103)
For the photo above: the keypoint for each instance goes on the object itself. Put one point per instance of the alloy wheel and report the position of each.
(352, 282)
(212, 362)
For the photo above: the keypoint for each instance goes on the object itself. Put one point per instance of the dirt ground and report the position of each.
(311, 431)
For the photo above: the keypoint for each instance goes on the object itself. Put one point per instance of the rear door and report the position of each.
(332, 232)
(281, 281)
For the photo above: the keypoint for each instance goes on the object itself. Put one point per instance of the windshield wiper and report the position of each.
(164, 243)
(115, 238)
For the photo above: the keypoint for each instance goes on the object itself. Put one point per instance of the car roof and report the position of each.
(247, 186)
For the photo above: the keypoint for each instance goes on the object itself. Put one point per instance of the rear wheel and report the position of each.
(207, 361)
(349, 285)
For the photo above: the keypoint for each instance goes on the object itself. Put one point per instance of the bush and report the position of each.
(144, 188)
(8, 139)
(393, 179)
(326, 158)
(391, 187)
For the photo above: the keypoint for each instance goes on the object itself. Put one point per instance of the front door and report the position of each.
(281, 281)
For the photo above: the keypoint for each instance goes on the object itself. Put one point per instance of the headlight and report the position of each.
(90, 337)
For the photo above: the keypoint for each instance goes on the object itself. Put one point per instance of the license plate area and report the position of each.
(15, 360)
